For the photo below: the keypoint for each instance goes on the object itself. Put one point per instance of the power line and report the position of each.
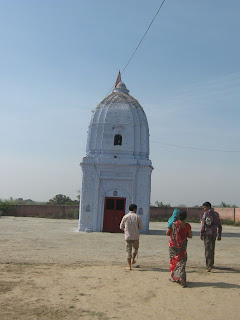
(143, 36)
(139, 42)
(195, 148)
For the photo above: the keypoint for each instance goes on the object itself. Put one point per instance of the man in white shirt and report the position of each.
(131, 224)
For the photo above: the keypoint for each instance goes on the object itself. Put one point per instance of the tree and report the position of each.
(224, 205)
(60, 199)
(5, 207)
(161, 204)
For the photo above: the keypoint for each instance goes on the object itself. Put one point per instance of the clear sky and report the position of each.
(59, 59)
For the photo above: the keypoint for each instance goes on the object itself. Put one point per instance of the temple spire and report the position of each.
(118, 79)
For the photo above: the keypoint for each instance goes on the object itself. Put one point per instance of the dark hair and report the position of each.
(132, 207)
(182, 214)
(207, 204)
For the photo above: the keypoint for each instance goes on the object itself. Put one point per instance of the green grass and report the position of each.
(230, 223)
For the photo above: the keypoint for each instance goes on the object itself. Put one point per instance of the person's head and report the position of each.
(182, 214)
(133, 207)
(206, 206)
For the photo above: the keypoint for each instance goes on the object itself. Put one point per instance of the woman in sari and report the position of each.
(179, 232)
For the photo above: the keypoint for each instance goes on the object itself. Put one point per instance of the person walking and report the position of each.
(131, 224)
(210, 230)
(179, 231)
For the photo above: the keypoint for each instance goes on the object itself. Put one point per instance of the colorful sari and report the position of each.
(178, 252)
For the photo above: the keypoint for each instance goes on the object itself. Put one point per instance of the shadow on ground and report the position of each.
(225, 270)
(195, 234)
(154, 269)
(222, 285)
(157, 232)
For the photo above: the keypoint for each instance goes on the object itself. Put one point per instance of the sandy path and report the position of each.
(50, 271)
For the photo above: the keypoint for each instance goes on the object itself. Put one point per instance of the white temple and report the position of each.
(116, 170)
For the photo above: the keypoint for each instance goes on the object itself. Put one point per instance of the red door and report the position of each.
(114, 210)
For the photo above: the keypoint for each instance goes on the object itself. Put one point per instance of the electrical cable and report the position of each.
(139, 42)
(195, 148)
(166, 144)
(143, 36)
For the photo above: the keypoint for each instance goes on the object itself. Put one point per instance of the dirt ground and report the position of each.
(48, 270)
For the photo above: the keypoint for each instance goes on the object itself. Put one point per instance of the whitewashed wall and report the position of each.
(123, 168)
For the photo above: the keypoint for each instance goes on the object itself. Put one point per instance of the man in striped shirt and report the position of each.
(131, 224)
(210, 230)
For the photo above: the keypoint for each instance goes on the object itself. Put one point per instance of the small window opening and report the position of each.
(117, 140)
(120, 204)
(115, 193)
(110, 204)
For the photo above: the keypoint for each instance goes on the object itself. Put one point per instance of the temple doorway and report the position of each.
(114, 210)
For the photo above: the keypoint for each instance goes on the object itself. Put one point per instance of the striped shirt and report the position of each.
(215, 227)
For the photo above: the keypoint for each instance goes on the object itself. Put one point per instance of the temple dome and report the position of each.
(118, 115)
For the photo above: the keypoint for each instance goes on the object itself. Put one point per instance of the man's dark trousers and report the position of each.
(209, 243)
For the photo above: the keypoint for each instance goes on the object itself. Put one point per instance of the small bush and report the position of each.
(73, 214)
(6, 209)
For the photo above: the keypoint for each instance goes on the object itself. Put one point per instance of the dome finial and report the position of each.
(119, 85)
(118, 79)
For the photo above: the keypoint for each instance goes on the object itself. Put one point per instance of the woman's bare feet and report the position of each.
(183, 283)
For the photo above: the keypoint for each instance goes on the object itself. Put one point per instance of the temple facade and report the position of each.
(116, 170)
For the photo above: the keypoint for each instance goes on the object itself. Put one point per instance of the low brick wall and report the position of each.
(195, 213)
(226, 213)
(43, 211)
(63, 212)
(229, 213)
(160, 212)
(166, 212)
(232, 214)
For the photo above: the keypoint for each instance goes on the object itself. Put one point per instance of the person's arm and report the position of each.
(122, 224)
(219, 227)
(189, 234)
(168, 232)
(202, 227)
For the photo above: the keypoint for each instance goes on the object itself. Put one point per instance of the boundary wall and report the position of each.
(44, 211)
(70, 211)
(232, 214)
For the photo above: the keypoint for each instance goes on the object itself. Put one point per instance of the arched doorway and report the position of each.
(114, 210)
